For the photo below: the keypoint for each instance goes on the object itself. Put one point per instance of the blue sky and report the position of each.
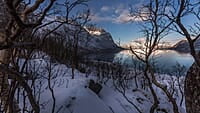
(112, 15)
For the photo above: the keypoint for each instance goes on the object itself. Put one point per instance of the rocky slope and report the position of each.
(89, 40)
(98, 40)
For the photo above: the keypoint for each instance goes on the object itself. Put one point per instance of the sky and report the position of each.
(112, 15)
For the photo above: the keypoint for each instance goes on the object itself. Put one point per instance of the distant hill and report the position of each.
(183, 46)
(140, 43)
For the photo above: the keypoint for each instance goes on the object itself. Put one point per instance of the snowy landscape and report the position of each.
(76, 96)
(93, 56)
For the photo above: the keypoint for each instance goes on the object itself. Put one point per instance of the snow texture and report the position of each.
(74, 96)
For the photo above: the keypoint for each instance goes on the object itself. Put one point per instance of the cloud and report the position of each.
(117, 15)
(125, 17)
(119, 8)
(98, 18)
(105, 8)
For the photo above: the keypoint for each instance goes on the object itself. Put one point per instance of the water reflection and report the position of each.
(164, 60)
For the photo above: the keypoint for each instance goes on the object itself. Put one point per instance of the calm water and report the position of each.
(164, 60)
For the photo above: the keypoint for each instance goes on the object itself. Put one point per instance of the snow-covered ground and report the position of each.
(74, 96)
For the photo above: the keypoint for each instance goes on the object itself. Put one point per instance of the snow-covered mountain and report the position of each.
(140, 43)
(183, 46)
(89, 39)
(98, 40)
(136, 44)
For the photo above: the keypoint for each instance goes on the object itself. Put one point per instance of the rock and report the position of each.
(95, 87)
(192, 90)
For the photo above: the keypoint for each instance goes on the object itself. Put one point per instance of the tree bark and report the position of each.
(4, 84)
(192, 89)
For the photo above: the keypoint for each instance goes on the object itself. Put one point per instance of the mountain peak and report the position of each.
(94, 30)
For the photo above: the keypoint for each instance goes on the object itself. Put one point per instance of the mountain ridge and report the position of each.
(89, 40)
(183, 46)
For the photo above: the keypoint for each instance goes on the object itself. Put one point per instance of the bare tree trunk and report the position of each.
(170, 96)
(155, 98)
(4, 84)
(192, 80)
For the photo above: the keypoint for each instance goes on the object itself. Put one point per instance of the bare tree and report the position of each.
(179, 10)
(17, 24)
(121, 81)
(179, 71)
(79, 30)
(23, 17)
(155, 28)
